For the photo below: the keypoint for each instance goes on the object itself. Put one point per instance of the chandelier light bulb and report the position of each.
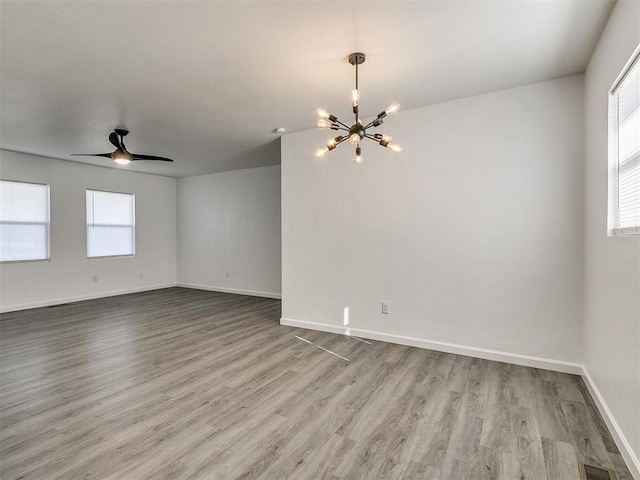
(354, 138)
(393, 108)
(358, 158)
(331, 142)
(320, 152)
(324, 124)
(322, 113)
(384, 139)
(394, 147)
(355, 97)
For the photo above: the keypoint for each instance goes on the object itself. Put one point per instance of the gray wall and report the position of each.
(229, 223)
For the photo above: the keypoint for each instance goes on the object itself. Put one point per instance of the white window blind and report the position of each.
(24, 221)
(624, 152)
(110, 224)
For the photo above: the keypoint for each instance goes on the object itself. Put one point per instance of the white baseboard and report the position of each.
(515, 358)
(81, 298)
(626, 451)
(237, 291)
(93, 296)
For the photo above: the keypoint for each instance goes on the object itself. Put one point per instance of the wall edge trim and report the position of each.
(487, 354)
(626, 451)
(237, 291)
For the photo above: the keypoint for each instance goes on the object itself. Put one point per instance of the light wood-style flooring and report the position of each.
(188, 384)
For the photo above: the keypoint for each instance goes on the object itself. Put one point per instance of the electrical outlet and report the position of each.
(385, 307)
(227, 274)
(95, 279)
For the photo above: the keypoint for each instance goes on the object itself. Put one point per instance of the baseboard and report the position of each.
(81, 298)
(626, 451)
(252, 293)
(93, 296)
(487, 354)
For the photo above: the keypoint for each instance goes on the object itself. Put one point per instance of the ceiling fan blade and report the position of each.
(150, 157)
(115, 141)
(106, 155)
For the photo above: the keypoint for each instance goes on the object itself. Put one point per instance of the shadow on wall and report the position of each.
(262, 156)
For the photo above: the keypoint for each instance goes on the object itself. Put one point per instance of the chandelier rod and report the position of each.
(355, 109)
(356, 75)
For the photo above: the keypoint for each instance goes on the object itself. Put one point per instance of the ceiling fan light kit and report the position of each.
(356, 132)
(121, 155)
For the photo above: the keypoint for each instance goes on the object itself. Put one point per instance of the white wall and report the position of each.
(612, 264)
(230, 223)
(473, 233)
(69, 274)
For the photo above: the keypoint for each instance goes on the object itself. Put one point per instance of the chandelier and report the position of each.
(356, 132)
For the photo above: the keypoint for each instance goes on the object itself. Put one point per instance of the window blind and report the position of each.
(24, 221)
(110, 224)
(625, 151)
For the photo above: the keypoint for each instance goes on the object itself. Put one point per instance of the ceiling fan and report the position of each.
(121, 156)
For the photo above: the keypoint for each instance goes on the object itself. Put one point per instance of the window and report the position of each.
(110, 224)
(24, 221)
(624, 151)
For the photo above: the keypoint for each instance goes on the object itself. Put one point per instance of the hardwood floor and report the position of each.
(188, 384)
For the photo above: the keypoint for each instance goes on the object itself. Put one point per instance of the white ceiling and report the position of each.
(206, 83)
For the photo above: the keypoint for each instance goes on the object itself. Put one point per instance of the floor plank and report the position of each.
(188, 384)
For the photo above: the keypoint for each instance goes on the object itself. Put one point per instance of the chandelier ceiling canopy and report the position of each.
(358, 131)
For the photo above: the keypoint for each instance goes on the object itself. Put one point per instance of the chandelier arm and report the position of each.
(370, 124)
(340, 123)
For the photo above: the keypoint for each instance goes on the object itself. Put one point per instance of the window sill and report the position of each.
(31, 260)
(625, 232)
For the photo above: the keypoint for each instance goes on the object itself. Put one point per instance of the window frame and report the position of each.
(133, 226)
(613, 227)
(47, 225)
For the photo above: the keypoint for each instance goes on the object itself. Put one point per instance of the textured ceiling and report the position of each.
(207, 83)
